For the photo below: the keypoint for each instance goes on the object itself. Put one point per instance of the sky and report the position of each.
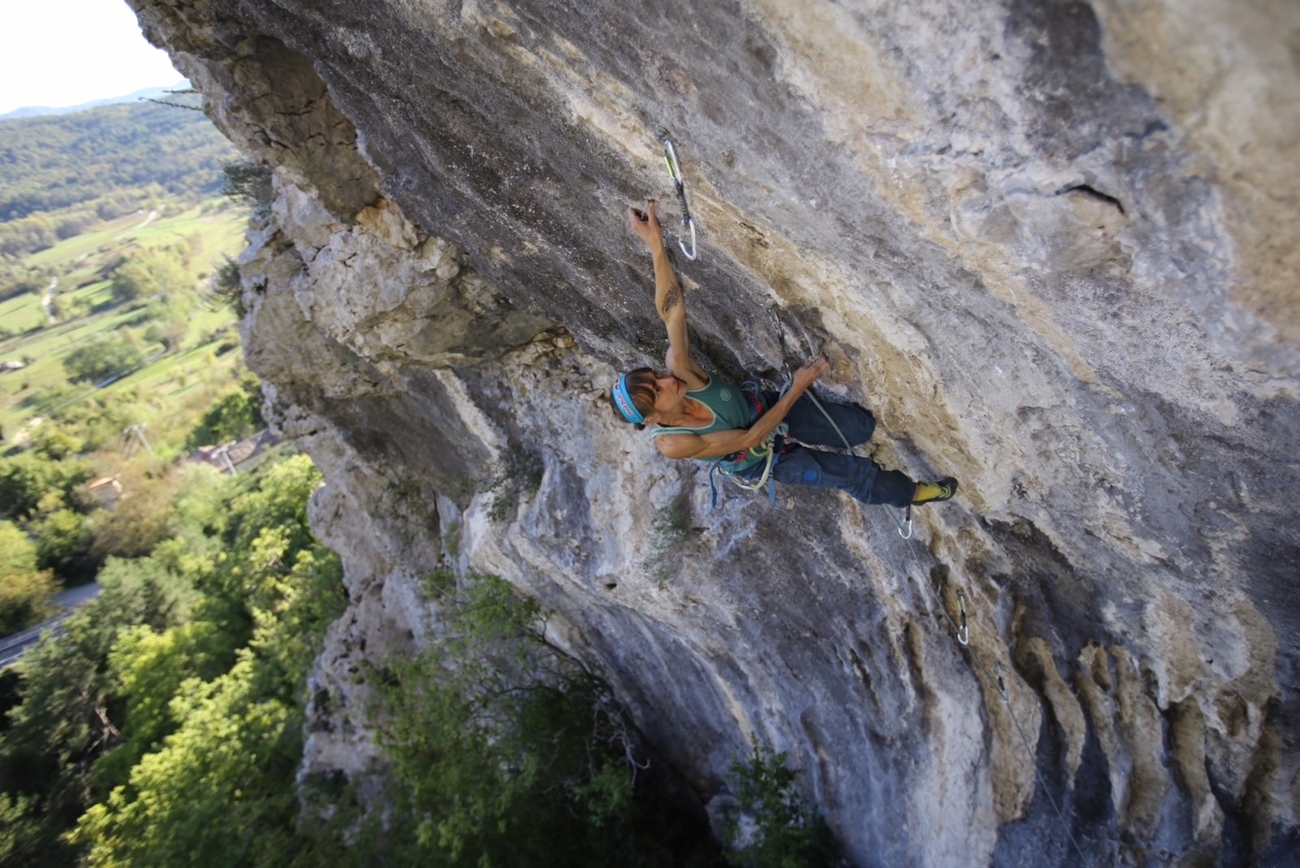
(59, 53)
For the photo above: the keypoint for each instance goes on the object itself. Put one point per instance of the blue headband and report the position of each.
(624, 400)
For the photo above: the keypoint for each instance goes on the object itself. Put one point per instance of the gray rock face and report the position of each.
(1051, 244)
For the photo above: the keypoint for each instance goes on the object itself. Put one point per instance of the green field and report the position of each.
(21, 313)
(84, 302)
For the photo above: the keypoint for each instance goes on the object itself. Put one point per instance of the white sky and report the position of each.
(60, 53)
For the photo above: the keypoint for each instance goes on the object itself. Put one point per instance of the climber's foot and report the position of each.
(932, 492)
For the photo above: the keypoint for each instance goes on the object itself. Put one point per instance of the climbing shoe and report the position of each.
(932, 492)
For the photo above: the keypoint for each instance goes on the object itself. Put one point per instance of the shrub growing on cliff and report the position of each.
(226, 286)
(506, 752)
(249, 183)
(777, 827)
(519, 473)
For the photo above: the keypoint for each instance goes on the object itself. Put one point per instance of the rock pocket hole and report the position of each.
(1094, 194)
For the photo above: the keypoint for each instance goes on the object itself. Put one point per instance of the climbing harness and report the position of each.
(765, 450)
(675, 172)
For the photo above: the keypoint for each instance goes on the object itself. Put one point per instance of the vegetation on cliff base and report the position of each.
(775, 825)
(504, 751)
(168, 719)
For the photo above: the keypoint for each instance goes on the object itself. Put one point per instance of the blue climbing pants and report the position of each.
(861, 477)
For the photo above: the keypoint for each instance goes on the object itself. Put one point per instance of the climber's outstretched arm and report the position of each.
(670, 300)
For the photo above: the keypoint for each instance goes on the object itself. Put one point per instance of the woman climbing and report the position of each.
(701, 417)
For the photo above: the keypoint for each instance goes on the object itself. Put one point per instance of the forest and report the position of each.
(60, 174)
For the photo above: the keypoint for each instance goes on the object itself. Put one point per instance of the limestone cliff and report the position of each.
(1051, 244)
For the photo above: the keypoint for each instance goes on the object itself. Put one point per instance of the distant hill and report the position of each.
(93, 158)
(147, 93)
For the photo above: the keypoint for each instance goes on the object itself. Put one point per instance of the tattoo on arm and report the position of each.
(672, 297)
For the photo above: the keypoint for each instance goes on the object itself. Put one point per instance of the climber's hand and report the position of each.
(808, 374)
(646, 225)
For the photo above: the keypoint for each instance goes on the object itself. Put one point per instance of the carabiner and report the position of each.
(675, 173)
(681, 242)
(906, 523)
(963, 632)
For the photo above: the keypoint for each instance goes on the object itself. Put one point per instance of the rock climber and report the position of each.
(699, 416)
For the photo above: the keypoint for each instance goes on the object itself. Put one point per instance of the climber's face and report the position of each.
(670, 391)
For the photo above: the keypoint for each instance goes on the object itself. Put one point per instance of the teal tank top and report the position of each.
(731, 410)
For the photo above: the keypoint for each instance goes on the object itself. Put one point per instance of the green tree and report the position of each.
(137, 524)
(506, 752)
(151, 272)
(28, 477)
(55, 443)
(235, 414)
(65, 720)
(26, 592)
(103, 357)
(151, 667)
(222, 782)
(63, 545)
(248, 182)
(16, 280)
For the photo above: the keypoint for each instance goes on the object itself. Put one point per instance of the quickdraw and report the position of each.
(675, 172)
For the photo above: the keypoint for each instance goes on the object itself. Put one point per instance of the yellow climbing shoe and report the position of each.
(932, 492)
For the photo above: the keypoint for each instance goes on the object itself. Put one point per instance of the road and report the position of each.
(15, 645)
(149, 218)
(47, 298)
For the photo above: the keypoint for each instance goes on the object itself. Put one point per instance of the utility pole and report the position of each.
(133, 433)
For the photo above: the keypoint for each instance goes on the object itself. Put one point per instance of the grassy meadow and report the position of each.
(85, 309)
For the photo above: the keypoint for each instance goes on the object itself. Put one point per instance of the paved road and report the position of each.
(15, 645)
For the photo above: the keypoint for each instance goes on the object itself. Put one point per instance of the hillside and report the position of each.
(58, 174)
(1051, 246)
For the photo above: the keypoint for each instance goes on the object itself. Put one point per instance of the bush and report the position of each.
(786, 831)
(519, 473)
